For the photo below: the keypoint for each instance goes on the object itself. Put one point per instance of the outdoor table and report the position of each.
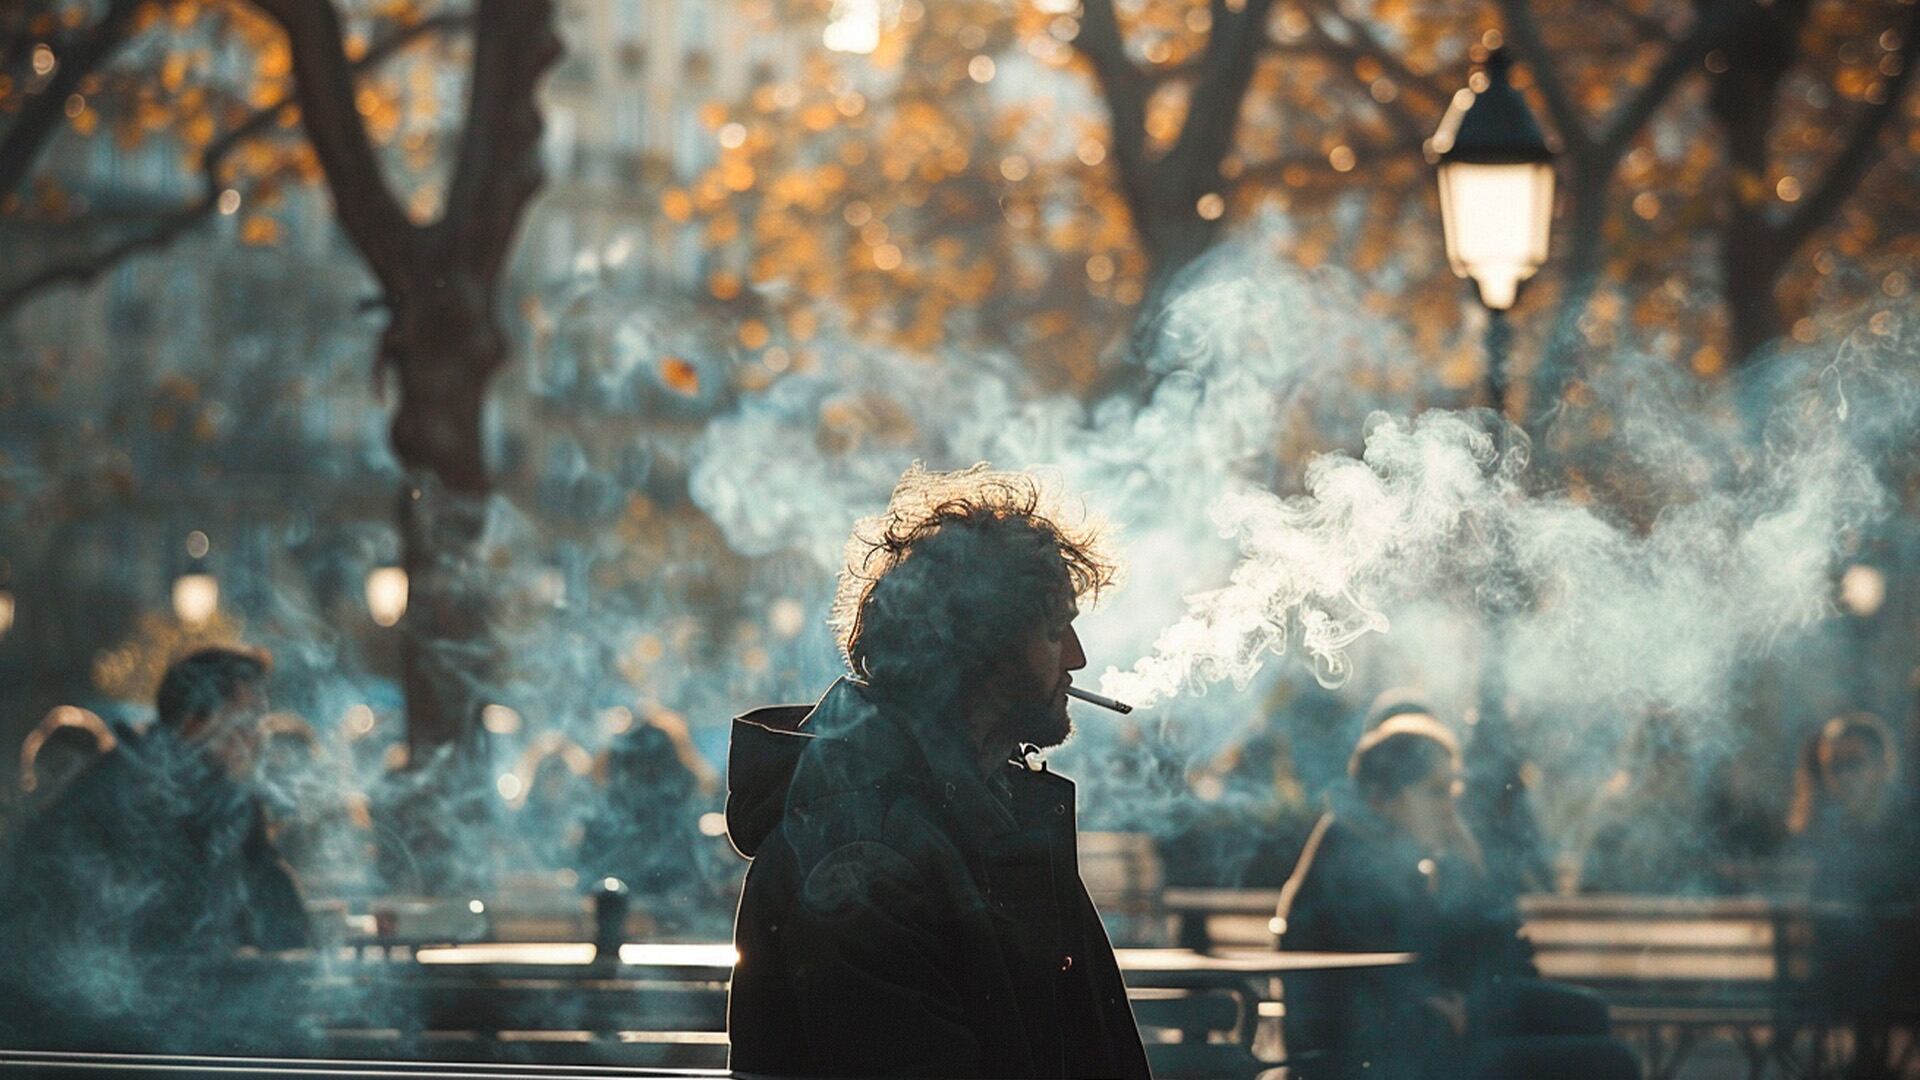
(1190, 967)
(1255, 977)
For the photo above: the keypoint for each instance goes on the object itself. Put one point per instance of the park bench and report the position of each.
(1679, 970)
(1676, 971)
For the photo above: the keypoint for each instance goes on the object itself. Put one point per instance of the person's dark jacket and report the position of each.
(1866, 885)
(151, 865)
(906, 916)
(1361, 886)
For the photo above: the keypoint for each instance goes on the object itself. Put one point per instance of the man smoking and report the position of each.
(914, 905)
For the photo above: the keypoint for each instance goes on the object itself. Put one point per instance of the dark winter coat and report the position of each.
(906, 916)
(1362, 887)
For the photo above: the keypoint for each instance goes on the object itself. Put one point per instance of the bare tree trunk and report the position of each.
(445, 351)
(444, 342)
(1760, 239)
(1594, 156)
(1760, 50)
(1580, 278)
(1750, 265)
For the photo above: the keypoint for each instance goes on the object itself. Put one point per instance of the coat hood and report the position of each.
(761, 755)
(849, 752)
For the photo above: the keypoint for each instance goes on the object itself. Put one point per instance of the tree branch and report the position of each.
(1682, 57)
(497, 169)
(172, 226)
(1524, 32)
(1324, 46)
(1860, 152)
(44, 111)
(1648, 29)
(82, 270)
(1363, 154)
(1365, 45)
(1233, 47)
(324, 87)
(1122, 84)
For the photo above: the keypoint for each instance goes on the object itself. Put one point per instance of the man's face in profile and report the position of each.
(1042, 669)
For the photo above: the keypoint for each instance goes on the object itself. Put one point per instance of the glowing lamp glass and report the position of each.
(195, 598)
(387, 594)
(1496, 218)
(6, 612)
(1862, 590)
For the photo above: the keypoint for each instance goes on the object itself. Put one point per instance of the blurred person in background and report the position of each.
(154, 862)
(60, 748)
(1650, 828)
(1393, 868)
(645, 828)
(549, 817)
(1854, 824)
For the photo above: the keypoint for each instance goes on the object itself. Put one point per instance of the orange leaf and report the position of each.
(679, 376)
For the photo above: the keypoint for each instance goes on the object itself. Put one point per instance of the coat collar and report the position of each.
(926, 748)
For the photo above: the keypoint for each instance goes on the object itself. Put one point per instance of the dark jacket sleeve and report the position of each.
(277, 914)
(871, 969)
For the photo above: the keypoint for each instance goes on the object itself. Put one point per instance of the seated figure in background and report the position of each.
(1394, 869)
(645, 828)
(152, 863)
(1856, 828)
(1650, 827)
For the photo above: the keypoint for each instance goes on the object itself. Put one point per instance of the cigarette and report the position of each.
(1104, 702)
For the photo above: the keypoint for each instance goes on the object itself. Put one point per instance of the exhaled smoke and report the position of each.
(1432, 509)
(1676, 527)
(1318, 568)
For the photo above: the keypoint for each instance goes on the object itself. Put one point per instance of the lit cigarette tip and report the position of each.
(1104, 702)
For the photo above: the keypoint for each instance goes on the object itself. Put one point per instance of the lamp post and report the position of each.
(1495, 172)
(1496, 200)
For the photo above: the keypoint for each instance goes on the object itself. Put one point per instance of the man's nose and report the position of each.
(1072, 656)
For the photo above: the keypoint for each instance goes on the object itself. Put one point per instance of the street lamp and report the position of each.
(196, 596)
(6, 612)
(1496, 199)
(386, 594)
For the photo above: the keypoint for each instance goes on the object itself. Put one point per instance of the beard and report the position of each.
(1038, 715)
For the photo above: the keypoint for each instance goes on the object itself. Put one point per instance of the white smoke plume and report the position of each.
(1726, 546)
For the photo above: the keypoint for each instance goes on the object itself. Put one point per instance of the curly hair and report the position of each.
(955, 572)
